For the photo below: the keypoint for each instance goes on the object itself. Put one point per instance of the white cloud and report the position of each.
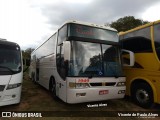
(78, 1)
(30, 22)
(152, 13)
(22, 24)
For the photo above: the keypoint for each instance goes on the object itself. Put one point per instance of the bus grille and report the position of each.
(2, 87)
(103, 84)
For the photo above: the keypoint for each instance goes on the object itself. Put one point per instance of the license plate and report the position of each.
(102, 92)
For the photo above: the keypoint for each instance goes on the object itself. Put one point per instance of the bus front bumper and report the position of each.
(95, 94)
(11, 96)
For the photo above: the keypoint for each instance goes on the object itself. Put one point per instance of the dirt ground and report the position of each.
(37, 99)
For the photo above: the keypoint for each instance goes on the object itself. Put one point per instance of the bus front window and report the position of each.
(94, 60)
(10, 60)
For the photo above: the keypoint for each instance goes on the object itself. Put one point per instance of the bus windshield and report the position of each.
(10, 60)
(94, 60)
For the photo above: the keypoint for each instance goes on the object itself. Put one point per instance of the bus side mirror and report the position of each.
(128, 58)
(67, 50)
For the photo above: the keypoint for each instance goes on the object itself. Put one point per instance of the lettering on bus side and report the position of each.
(82, 80)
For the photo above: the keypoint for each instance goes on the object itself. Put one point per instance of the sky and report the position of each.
(30, 22)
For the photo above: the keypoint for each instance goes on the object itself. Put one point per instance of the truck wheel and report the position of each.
(142, 95)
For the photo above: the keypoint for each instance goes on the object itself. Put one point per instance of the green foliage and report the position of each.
(27, 53)
(127, 23)
(26, 58)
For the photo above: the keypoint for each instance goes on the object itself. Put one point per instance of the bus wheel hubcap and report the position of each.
(142, 96)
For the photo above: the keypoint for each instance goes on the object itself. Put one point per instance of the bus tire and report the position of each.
(52, 87)
(142, 95)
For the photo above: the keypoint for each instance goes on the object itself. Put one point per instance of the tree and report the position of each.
(26, 58)
(127, 23)
(27, 53)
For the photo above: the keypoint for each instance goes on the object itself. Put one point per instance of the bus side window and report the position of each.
(157, 39)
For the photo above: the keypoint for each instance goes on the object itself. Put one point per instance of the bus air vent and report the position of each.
(110, 83)
(96, 84)
(103, 84)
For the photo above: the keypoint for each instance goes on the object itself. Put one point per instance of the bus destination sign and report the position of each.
(82, 31)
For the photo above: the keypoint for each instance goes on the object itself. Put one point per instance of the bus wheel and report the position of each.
(52, 87)
(142, 95)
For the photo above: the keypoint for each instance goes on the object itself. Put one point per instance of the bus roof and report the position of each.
(140, 27)
(5, 42)
(81, 23)
(89, 24)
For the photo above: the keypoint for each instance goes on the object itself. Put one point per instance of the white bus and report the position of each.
(81, 62)
(10, 73)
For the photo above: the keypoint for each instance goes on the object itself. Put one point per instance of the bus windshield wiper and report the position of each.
(7, 69)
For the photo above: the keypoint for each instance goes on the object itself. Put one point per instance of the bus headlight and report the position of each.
(78, 85)
(11, 86)
(121, 84)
